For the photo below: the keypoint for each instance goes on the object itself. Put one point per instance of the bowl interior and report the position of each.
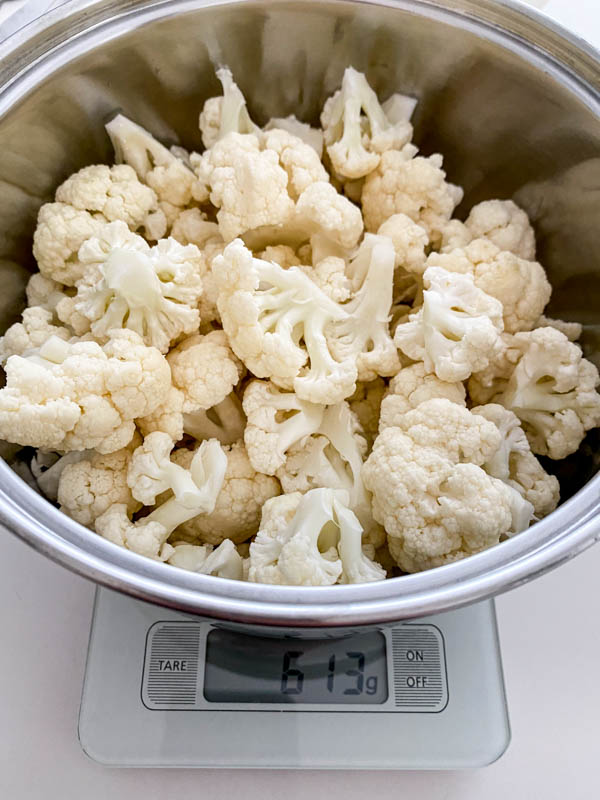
(510, 123)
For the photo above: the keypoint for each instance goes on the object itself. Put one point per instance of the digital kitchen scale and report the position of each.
(167, 689)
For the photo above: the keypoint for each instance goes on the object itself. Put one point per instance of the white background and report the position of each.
(550, 645)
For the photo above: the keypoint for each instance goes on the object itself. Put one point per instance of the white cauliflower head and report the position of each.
(47, 467)
(195, 488)
(552, 390)
(170, 178)
(152, 291)
(60, 232)
(357, 129)
(145, 537)
(331, 458)
(515, 464)
(222, 562)
(410, 241)
(329, 274)
(412, 386)
(504, 224)
(276, 321)
(521, 286)
(226, 114)
(35, 329)
(237, 511)
(310, 540)
(116, 193)
(363, 335)
(44, 292)
(302, 130)
(91, 486)
(277, 420)
(205, 370)
(299, 160)
(281, 254)
(457, 330)
(247, 184)
(417, 187)
(78, 396)
(451, 428)
(434, 510)
(321, 210)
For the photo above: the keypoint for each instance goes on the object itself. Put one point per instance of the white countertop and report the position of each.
(551, 653)
(550, 646)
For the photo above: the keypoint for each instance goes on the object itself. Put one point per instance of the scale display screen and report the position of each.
(248, 669)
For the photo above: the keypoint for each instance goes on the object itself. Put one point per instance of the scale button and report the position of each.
(171, 665)
(420, 682)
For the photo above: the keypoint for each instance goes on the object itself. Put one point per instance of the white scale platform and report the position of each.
(168, 689)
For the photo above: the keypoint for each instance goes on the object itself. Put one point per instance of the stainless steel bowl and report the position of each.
(510, 99)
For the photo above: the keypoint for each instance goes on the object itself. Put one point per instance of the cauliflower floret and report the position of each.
(152, 291)
(366, 404)
(363, 335)
(205, 370)
(457, 330)
(521, 286)
(434, 510)
(268, 313)
(189, 556)
(78, 396)
(276, 421)
(412, 386)
(302, 130)
(310, 540)
(329, 274)
(451, 428)
(410, 241)
(247, 185)
(298, 159)
(195, 488)
(44, 292)
(280, 254)
(145, 537)
(552, 390)
(357, 129)
(226, 114)
(416, 187)
(47, 466)
(91, 486)
(192, 227)
(454, 235)
(35, 329)
(236, 514)
(223, 562)
(572, 330)
(169, 176)
(515, 464)
(117, 194)
(333, 459)
(60, 232)
(504, 224)
(322, 210)
(167, 417)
